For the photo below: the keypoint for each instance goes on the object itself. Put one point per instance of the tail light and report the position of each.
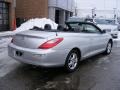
(51, 43)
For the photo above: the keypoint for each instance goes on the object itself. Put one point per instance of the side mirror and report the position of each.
(104, 31)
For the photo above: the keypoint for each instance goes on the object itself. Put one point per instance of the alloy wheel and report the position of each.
(109, 47)
(72, 61)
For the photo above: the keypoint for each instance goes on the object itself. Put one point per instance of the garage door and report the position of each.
(4, 16)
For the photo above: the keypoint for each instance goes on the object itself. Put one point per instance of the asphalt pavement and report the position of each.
(97, 73)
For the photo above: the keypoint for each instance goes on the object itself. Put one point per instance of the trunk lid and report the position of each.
(32, 39)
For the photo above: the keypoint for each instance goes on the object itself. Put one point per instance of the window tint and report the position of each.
(91, 29)
(86, 28)
(83, 27)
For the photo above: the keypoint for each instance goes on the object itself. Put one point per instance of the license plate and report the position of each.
(19, 53)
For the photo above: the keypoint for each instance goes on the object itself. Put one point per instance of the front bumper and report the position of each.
(44, 58)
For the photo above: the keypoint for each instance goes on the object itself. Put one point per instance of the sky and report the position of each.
(98, 4)
(107, 7)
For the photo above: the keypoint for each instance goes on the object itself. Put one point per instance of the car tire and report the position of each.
(72, 61)
(108, 48)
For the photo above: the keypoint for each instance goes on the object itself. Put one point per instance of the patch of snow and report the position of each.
(38, 22)
(5, 37)
(6, 34)
(4, 42)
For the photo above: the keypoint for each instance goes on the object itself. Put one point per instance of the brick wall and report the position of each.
(31, 8)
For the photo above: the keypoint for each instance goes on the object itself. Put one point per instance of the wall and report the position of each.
(63, 4)
(65, 7)
(31, 8)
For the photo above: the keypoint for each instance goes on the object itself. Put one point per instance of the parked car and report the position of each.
(90, 20)
(75, 19)
(109, 25)
(67, 47)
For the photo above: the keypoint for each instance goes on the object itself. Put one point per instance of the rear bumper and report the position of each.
(44, 58)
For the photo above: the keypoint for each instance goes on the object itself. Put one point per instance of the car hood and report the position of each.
(103, 26)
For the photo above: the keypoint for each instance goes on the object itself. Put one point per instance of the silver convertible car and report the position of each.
(62, 47)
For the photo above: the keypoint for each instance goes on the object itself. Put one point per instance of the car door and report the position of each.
(82, 39)
(86, 40)
(98, 41)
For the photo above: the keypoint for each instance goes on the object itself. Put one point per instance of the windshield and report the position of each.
(105, 21)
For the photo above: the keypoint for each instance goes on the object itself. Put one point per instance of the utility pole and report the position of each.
(76, 12)
(115, 14)
(93, 13)
(114, 11)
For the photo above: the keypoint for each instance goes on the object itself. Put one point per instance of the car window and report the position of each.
(74, 25)
(82, 27)
(86, 28)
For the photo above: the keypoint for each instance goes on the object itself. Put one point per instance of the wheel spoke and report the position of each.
(73, 61)
(109, 48)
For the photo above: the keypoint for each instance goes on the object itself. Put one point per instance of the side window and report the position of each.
(81, 27)
(91, 29)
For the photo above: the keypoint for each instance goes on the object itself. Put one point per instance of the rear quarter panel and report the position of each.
(73, 40)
